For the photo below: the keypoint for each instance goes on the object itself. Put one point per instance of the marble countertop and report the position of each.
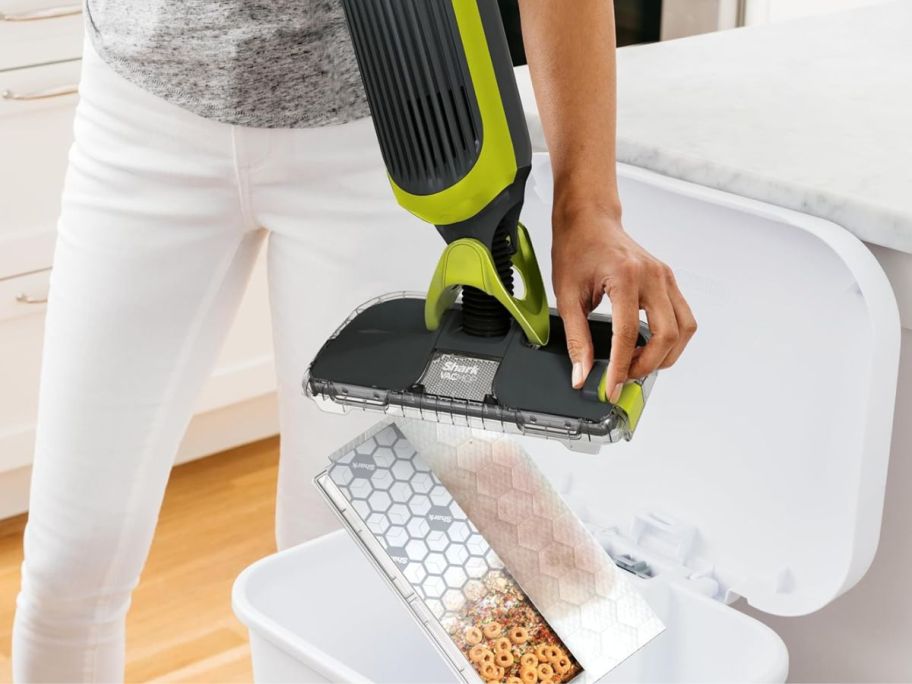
(814, 115)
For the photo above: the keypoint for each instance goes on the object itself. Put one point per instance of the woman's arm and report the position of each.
(570, 47)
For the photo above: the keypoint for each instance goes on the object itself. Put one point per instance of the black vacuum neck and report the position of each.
(495, 227)
(482, 314)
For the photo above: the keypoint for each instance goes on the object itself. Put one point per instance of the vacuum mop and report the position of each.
(447, 113)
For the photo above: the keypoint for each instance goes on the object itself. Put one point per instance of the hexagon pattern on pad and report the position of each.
(404, 505)
(575, 585)
(446, 561)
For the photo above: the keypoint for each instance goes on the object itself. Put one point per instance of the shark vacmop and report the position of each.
(448, 116)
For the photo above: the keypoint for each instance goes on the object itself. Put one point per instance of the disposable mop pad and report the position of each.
(443, 567)
(561, 567)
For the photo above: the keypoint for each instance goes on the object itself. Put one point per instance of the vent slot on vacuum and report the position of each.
(417, 82)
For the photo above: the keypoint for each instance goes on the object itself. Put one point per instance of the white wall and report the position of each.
(765, 11)
(866, 635)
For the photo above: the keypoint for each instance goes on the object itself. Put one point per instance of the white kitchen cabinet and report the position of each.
(20, 360)
(36, 121)
(39, 31)
(40, 45)
(236, 405)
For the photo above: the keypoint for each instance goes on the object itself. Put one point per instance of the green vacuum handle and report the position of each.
(448, 115)
(444, 101)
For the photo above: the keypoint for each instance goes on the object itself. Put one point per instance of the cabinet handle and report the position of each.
(23, 298)
(42, 14)
(40, 94)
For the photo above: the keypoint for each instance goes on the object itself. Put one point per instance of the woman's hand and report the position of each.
(572, 62)
(592, 256)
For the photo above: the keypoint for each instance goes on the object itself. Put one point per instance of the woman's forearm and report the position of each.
(570, 47)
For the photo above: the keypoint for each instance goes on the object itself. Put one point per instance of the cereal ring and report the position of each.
(492, 681)
(492, 629)
(519, 635)
(477, 652)
(503, 658)
(552, 654)
(562, 665)
(473, 636)
(528, 675)
(541, 652)
(489, 671)
(487, 657)
(500, 673)
(528, 660)
(545, 671)
(514, 680)
(502, 644)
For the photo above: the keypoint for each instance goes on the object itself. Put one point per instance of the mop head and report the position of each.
(385, 359)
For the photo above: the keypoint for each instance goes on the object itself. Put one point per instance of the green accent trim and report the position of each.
(468, 262)
(632, 402)
(495, 167)
(603, 387)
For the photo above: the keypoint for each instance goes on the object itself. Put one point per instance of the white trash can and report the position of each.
(319, 612)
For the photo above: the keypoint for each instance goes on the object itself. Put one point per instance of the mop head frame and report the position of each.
(384, 359)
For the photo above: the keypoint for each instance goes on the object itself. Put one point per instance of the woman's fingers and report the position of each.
(633, 280)
(671, 323)
(579, 340)
(665, 337)
(625, 324)
(687, 325)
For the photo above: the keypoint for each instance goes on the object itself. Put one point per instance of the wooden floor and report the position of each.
(217, 519)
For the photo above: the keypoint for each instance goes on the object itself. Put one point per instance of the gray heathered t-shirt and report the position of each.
(264, 63)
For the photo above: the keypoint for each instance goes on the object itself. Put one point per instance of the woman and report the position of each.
(203, 126)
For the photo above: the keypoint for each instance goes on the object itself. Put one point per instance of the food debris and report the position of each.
(506, 639)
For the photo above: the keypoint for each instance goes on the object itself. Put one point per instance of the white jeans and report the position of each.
(163, 215)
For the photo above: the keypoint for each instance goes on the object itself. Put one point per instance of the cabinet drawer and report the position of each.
(26, 254)
(35, 137)
(20, 367)
(39, 31)
(24, 294)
